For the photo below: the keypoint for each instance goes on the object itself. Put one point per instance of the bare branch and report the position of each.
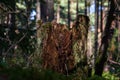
(114, 62)
(15, 44)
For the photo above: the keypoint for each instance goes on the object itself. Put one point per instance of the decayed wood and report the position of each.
(59, 45)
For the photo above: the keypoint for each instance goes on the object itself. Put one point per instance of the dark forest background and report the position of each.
(59, 39)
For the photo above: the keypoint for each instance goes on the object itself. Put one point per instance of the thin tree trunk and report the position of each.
(13, 14)
(77, 9)
(100, 23)
(28, 5)
(50, 10)
(58, 12)
(44, 11)
(85, 7)
(38, 15)
(89, 54)
(47, 10)
(117, 2)
(105, 42)
(69, 17)
(101, 20)
(38, 22)
(96, 27)
(119, 36)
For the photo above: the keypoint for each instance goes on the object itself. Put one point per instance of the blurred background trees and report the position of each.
(21, 35)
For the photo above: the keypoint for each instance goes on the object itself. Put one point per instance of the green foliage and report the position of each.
(18, 73)
(21, 6)
(110, 76)
(105, 76)
(95, 77)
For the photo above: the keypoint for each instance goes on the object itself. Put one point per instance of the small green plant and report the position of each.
(95, 77)
(110, 76)
(20, 73)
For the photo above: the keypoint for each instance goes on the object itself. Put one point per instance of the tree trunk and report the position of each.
(28, 5)
(47, 10)
(118, 27)
(119, 36)
(58, 12)
(38, 25)
(96, 27)
(77, 9)
(101, 20)
(13, 14)
(38, 15)
(85, 7)
(105, 41)
(69, 18)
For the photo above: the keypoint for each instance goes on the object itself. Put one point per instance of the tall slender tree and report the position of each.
(77, 7)
(69, 18)
(118, 25)
(102, 58)
(47, 10)
(101, 14)
(58, 11)
(38, 10)
(28, 10)
(85, 7)
(38, 25)
(96, 26)
(13, 15)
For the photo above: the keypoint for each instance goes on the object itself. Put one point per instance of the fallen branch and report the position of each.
(114, 62)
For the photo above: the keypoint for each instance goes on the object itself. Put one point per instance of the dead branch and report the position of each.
(13, 45)
(114, 62)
